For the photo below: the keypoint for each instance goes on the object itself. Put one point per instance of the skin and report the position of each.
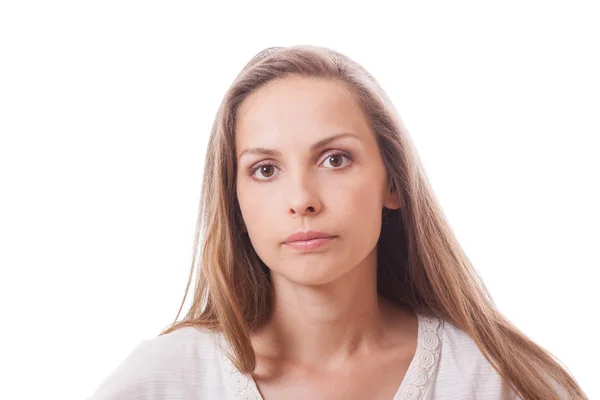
(330, 335)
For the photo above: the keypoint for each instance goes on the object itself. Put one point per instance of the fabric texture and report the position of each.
(191, 363)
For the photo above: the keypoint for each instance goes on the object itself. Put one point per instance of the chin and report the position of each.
(312, 281)
(311, 274)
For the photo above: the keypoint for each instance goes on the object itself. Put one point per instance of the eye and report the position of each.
(336, 160)
(263, 172)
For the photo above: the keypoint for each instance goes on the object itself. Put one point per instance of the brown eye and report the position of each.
(263, 172)
(267, 171)
(336, 161)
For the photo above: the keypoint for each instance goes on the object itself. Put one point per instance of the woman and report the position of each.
(327, 268)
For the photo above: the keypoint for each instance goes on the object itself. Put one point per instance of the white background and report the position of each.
(105, 111)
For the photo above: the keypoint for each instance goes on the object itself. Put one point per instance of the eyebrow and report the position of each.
(315, 146)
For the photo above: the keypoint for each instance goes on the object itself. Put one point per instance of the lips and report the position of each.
(307, 236)
(308, 240)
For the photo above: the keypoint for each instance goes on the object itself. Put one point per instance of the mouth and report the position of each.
(308, 240)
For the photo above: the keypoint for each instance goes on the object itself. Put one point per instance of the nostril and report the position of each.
(303, 210)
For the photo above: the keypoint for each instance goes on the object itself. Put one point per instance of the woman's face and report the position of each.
(308, 161)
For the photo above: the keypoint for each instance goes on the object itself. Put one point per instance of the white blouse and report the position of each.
(190, 363)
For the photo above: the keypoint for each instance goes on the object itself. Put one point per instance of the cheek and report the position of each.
(358, 195)
(257, 208)
(259, 212)
(357, 205)
(250, 206)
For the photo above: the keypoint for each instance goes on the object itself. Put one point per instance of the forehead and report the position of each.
(299, 108)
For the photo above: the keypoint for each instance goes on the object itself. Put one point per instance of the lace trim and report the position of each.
(242, 385)
(426, 357)
(412, 387)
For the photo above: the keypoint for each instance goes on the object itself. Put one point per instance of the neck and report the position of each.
(324, 325)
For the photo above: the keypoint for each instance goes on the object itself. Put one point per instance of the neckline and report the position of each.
(412, 387)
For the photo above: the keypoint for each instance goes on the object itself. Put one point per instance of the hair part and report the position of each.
(421, 265)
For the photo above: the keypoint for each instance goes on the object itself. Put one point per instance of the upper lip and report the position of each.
(304, 236)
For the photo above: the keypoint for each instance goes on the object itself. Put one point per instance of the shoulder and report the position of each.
(461, 349)
(168, 364)
(464, 370)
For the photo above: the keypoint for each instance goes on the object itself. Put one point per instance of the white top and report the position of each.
(189, 363)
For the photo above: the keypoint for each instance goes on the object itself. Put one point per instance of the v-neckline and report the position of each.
(413, 385)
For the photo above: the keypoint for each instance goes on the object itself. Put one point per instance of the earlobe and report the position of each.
(392, 201)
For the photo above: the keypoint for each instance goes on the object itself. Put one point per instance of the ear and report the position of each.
(392, 200)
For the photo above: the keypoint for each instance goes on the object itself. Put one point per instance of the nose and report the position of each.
(303, 196)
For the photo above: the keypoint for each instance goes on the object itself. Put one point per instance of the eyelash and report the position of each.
(345, 154)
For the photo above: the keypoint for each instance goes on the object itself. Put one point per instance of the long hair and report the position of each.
(420, 262)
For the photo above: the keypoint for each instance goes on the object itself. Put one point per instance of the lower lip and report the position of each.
(309, 244)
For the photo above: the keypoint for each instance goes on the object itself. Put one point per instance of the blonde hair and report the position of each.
(420, 262)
